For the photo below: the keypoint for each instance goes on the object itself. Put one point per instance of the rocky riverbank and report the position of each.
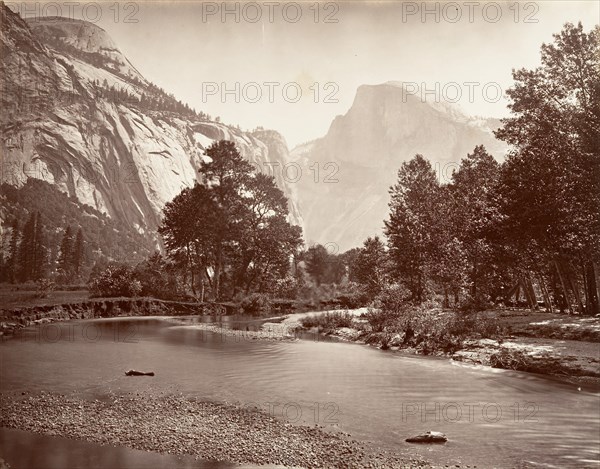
(179, 425)
(272, 329)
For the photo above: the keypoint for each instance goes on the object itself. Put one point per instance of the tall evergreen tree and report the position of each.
(12, 263)
(26, 250)
(40, 263)
(33, 250)
(78, 253)
(65, 256)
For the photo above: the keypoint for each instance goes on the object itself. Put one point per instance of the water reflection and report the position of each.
(29, 451)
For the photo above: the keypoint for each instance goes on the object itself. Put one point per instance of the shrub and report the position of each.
(391, 309)
(471, 304)
(352, 300)
(44, 287)
(286, 288)
(392, 300)
(329, 321)
(115, 280)
(158, 278)
(426, 326)
(256, 304)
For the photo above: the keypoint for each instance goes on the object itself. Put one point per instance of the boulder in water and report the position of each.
(139, 373)
(428, 437)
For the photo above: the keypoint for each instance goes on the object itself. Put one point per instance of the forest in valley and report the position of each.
(523, 231)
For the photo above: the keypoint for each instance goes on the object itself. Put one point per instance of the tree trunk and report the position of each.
(193, 281)
(545, 292)
(527, 290)
(564, 287)
(592, 289)
(446, 300)
(575, 287)
(218, 266)
(532, 290)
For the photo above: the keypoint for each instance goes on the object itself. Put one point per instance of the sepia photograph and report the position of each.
(299, 234)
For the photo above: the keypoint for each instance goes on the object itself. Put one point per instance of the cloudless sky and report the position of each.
(191, 50)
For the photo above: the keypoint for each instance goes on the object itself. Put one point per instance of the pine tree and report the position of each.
(26, 250)
(40, 262)
(78, 253)
(12, 263)
(65, 258)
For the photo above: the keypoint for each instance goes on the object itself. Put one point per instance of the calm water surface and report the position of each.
(494, 418)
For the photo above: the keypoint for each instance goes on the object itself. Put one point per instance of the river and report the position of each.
(493, 418)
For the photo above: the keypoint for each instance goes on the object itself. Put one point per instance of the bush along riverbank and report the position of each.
(179, 425)
(543, 343)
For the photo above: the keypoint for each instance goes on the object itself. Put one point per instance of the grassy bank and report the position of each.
(27, 295)
(13, 319)
(544, 343)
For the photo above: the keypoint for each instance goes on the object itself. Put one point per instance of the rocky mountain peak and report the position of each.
(77, 115)
(386, 125)
(79, 37)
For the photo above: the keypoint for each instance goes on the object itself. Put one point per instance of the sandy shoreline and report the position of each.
(177, 424)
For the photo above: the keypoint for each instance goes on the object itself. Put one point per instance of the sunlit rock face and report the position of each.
(360, 155)
(71, 116)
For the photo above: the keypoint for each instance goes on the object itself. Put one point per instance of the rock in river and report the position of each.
(428, 437)
(139, 373)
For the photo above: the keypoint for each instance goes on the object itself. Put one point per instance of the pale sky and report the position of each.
(190, 50)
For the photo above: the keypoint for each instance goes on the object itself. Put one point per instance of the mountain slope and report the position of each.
(78, 115)
(359, 158)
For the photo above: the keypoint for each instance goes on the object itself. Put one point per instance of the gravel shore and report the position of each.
(176, 424)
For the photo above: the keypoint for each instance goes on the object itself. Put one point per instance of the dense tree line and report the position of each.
(530, 225)
(27, 255)
(149, 98)
(47, 234)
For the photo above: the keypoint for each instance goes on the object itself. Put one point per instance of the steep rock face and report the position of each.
(72, 116)
(359, 158)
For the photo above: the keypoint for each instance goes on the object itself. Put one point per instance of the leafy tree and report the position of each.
(158, 277)
(232, 227)
(115, 280)
(370, 266)
(267, 239)
(411, 228)
(316, 258)
(474, 214)
(550, 184)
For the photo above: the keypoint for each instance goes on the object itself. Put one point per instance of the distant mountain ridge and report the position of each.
(385, 126)
(78, 115)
